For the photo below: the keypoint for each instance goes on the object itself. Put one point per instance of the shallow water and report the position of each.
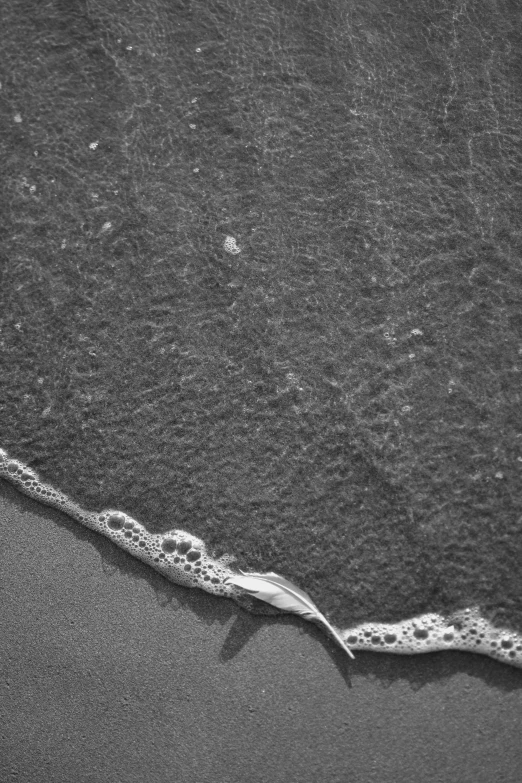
(339, 400)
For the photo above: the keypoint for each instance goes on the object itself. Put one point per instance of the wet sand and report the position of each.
(109, 672)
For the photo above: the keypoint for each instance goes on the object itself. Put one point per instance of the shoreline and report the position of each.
(184, 560)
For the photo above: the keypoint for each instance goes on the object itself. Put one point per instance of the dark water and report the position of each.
(340, 400)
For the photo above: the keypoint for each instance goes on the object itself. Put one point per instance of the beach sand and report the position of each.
(111, 673)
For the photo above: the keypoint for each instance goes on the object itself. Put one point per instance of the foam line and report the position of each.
(179, 556)
(465, 630)
(182, 558)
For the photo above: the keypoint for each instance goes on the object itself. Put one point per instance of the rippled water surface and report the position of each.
(262, 282)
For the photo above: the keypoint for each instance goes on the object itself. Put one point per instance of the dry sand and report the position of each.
(110, 673)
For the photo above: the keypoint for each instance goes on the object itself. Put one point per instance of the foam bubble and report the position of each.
(465, 630)
(178, 555)
(230, 245)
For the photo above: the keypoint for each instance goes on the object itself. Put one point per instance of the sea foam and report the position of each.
(176, 554)
(182, 558)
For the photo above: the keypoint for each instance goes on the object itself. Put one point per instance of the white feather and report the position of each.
(279, 592)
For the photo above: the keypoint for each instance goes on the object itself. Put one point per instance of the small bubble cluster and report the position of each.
(230, 245)
(466, 631)
(178, 555)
